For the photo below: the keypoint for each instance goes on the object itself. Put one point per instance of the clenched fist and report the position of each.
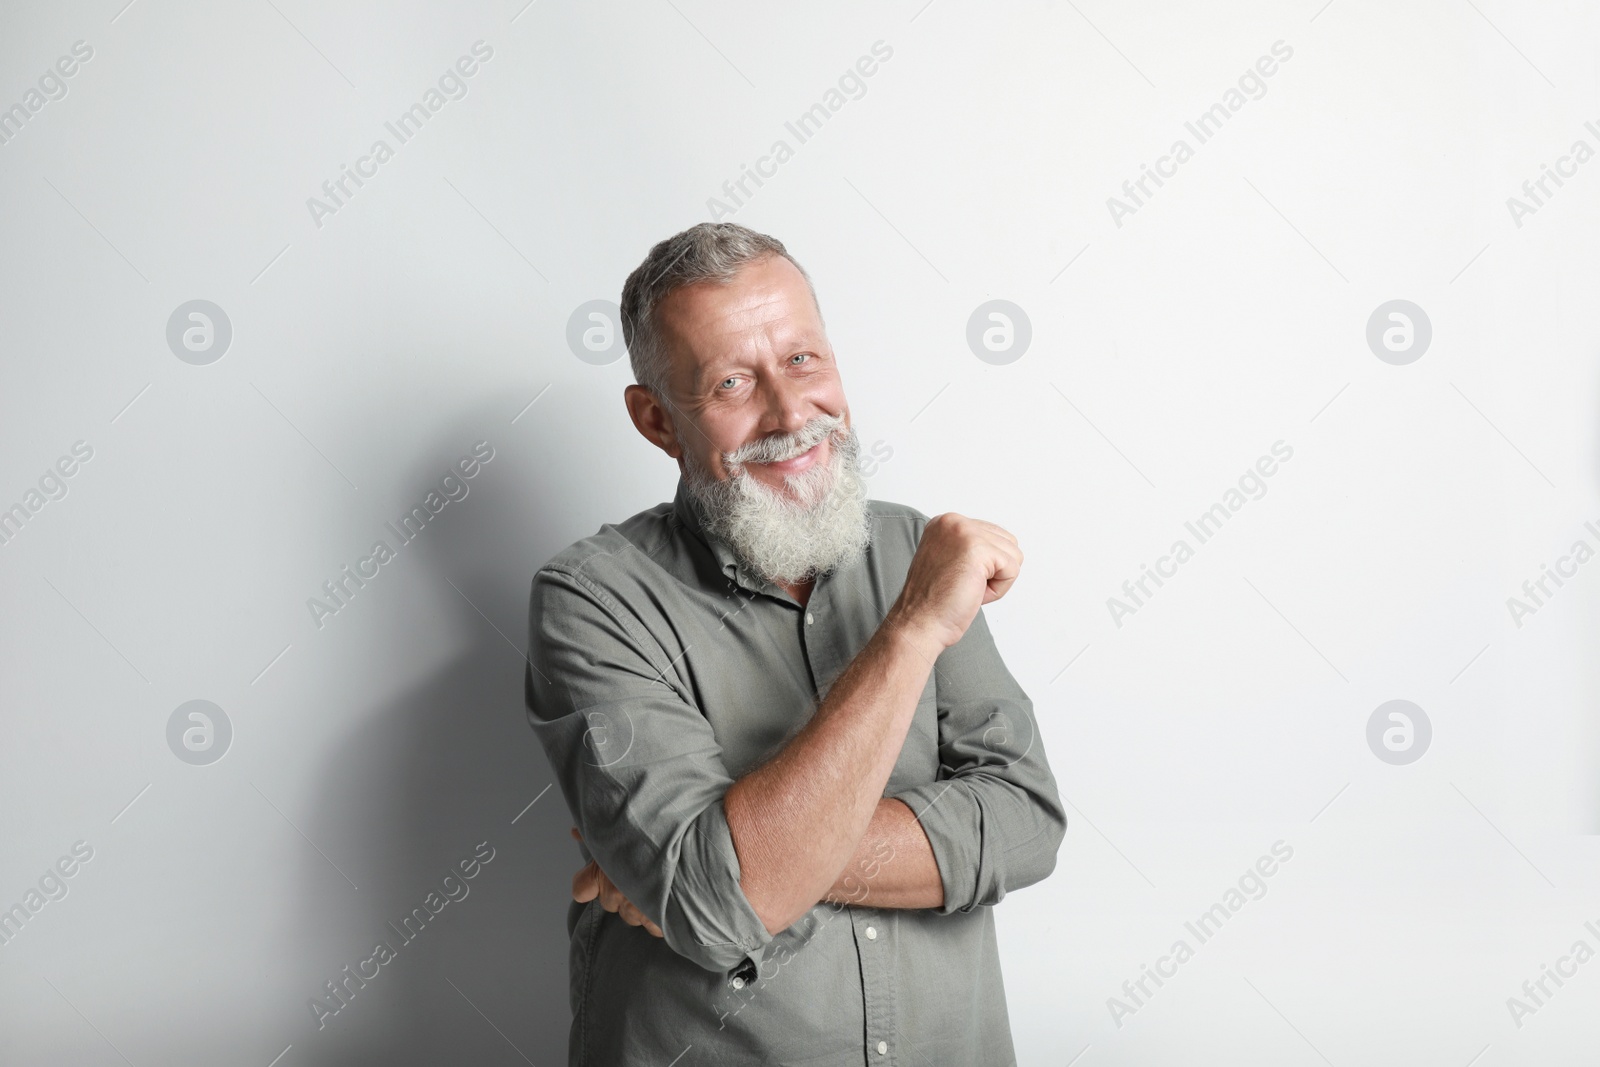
(961, 564)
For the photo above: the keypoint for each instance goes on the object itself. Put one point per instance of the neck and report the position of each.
(801, 592)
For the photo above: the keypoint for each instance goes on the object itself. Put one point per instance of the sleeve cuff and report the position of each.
(953, 821)
(709, 919)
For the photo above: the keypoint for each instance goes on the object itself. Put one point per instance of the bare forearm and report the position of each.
(797, 820)
(893, 865)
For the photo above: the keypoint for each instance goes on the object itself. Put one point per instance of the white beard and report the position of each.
(823, 526)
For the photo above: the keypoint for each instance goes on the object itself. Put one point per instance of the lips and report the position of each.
(796, 463)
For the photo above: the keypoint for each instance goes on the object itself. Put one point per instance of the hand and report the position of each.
(961, 564)
(591, 882)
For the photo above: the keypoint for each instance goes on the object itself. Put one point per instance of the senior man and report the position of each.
(801, 773)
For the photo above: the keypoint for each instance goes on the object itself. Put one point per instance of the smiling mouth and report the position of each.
(795, 463)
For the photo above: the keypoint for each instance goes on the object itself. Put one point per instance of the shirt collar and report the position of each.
(692, 518)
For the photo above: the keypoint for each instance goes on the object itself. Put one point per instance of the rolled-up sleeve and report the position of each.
(640, 768)
(993, 816)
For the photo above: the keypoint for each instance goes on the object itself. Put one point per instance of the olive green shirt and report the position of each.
(660, 670)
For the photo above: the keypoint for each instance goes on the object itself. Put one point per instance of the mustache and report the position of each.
(784, 446)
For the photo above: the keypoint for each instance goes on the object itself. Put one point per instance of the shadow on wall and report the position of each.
(432, 781)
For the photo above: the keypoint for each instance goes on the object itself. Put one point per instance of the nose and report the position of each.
(789, 407)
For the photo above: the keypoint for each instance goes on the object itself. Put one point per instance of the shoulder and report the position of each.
(896, 524)
(895, 512)
(609, 561)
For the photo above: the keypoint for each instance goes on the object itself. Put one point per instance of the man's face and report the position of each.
(751, 366)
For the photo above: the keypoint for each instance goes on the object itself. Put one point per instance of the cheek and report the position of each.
(714, 464)
(829, 390)
(724, 432)
(704, 457)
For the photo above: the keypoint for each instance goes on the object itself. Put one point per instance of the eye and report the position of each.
(725, 381)
(799, 355)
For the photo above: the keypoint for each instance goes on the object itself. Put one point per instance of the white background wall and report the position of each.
(370, 352)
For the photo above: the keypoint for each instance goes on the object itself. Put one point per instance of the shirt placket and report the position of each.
(874, 946)
(873, 935)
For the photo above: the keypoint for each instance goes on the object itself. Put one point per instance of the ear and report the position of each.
(651, 419)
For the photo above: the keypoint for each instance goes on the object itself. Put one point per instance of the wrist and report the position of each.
(910, 630)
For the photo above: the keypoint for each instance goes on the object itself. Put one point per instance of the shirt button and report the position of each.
(883, 1048)
(872, 933)
(737, 983)
(809, 618)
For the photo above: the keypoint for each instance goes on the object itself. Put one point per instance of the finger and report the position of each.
(1003, 543)
(997, 589)
(584, 884)
(985, 528)
(1007, 567)
(654, 929)
(1004, 562)
(990, 543)
(575, 835)
(998, 531)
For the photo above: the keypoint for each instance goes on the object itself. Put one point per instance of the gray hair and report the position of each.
(707, 251)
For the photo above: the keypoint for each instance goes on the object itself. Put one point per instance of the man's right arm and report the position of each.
(797, 819)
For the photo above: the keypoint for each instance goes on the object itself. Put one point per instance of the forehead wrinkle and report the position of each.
(743, 317)
(760, 326)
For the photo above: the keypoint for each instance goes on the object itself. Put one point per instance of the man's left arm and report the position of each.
(893, 865)
(993, 819)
